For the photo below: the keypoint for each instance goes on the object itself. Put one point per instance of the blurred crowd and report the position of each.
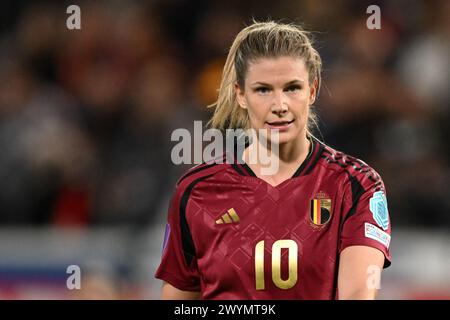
(86, 115)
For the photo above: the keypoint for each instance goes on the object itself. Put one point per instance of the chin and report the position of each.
(283, 138)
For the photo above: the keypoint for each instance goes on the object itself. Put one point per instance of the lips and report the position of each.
(280, 123)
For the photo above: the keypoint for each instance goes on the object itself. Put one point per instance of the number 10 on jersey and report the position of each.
(292, 247)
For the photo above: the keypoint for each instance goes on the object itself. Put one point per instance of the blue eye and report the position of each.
(293, 88)
(262, 90)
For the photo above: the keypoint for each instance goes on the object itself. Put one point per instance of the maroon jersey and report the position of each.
(231, 235)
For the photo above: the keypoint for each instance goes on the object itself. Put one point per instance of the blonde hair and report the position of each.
(261, 40)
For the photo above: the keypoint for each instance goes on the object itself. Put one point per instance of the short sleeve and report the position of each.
(367, 220)
(178, 263)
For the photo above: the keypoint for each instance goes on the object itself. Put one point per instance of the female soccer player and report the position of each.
(316, 229)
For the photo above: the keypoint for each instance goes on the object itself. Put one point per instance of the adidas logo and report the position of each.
(229, 217)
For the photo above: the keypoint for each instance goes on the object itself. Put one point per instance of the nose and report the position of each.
(279, 104)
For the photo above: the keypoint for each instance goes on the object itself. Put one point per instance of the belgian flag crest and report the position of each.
(320, 209)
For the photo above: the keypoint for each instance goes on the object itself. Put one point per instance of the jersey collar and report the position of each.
(305, 168)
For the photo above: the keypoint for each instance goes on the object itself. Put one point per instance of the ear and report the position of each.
(313, 91)
(240, 97)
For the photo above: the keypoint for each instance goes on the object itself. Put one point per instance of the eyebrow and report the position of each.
(295, 81)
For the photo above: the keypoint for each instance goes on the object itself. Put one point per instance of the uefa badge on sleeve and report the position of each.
(320, 212)
(379, 209)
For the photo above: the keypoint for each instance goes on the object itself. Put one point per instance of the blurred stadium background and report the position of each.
(86, 118)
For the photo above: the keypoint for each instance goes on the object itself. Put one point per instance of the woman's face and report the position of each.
(277, 96)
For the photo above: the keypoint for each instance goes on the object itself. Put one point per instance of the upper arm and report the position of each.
(359, 272)
(365, 236)
(366, 220)
(169, 292)
(178, 262)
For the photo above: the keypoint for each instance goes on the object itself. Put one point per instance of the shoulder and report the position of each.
(190, 179)
(200, 173)
(350, 168)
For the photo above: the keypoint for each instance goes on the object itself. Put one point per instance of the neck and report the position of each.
(289, 155)
(295, 151)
